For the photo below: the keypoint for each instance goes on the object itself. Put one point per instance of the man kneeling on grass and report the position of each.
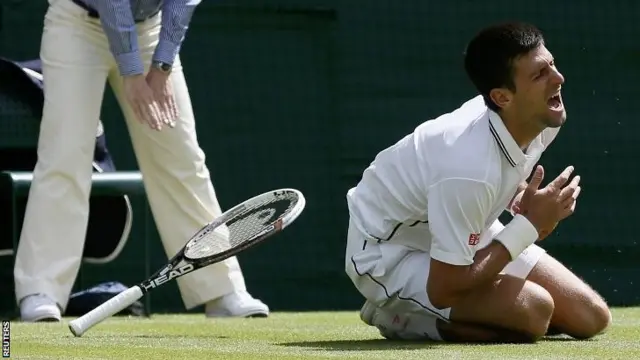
(425, 246)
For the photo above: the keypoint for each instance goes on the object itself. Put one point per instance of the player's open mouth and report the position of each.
(555, 102)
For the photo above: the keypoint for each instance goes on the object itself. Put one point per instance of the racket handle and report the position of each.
(109, 308)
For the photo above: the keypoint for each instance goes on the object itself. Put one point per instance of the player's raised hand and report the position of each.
(568, 197)
(547, 206)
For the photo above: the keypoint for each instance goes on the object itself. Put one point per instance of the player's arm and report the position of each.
(120, 28)
(459, 208)
(176, 16)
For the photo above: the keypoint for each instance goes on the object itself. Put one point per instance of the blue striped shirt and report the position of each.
(118, 18)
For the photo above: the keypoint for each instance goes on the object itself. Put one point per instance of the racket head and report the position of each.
(245, 225)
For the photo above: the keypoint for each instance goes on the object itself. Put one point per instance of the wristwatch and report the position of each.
(164, 67)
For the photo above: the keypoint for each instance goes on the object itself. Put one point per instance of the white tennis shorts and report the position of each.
(394, 278)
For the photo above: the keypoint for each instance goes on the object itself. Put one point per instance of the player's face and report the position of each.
(537, 97)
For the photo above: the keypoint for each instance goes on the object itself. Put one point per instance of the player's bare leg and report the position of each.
(520, 310)
(579, 311)
(425, 326)
(511, 310)
(470, 333)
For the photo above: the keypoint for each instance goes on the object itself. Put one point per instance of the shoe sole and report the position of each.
(45, 318)
(248, 314)
(48, 320)
(261, 315)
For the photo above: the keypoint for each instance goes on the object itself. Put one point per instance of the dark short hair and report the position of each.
(490, 55)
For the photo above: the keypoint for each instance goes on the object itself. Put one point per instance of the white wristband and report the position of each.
(517, 235)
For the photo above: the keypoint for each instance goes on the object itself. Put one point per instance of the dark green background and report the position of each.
(304, 94)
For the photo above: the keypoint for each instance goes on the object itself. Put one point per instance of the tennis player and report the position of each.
(425, 246)
(135, 45)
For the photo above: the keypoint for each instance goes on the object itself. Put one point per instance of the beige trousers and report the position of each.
(76, 64)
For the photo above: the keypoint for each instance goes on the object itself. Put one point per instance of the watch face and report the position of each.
(162, 66)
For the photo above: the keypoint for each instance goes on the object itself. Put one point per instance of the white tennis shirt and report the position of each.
(440, 187)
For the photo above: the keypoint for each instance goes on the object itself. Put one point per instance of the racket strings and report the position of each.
(257, 218)
(210, 242)
(241, 228)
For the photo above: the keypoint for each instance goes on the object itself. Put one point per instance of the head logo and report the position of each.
(474, 239)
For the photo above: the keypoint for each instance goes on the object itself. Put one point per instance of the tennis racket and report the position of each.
(237, 229)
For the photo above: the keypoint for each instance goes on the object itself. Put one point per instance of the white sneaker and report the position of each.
(237, 304)
(398, 326)
(39, 307)
(387, 325)
(367, 313)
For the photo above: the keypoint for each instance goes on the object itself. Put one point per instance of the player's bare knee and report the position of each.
(538, 310)
(601, 316)
(594, 317)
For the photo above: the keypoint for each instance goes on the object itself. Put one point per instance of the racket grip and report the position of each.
(112, 306)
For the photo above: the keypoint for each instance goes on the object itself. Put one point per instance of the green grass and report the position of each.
(319, 335)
